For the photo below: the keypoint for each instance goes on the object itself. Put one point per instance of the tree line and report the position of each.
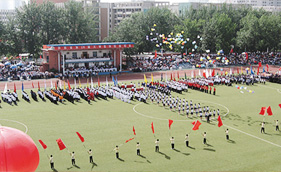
(36, 25)
(219, 28)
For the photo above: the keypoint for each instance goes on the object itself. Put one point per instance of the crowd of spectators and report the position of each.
(151, 63)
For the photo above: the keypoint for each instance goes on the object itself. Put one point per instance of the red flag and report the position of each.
(204, 74)
(213, 73)
(56, 86)
(193, 122)
(269, 111)
(267, 67)
(247, 56)
(178, 75)
(196, 125)
(231, 51)
(32, 85)
(152, 127)
(69, 87)
(220, 122)
(170, 123)
(60, 144)
(15, 89)
(80, 137)
(40, 57)
(43, 144)
(258, 70)
(134, 130)
(38, 86)
(99, 81)
(280, 105)
(129, 140)
(259, 64)
(262, 112)
(155, 54)
(237, 71)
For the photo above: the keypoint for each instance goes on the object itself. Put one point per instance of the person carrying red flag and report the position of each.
(138, 148)
(157, 145)
(172, 142)
(262, 127)
(116, 149)
(226, 134)
(187, 140)
(91, 156)
(204, 138)
(51, 162)
(72, 158)
(276, 125)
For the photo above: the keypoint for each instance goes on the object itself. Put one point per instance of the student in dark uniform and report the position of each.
(214, 91)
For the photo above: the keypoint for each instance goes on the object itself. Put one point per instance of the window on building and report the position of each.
(74, 55)
(95, 54)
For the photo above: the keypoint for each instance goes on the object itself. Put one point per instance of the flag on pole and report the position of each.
(152, 127)
(269, 111)
(237, 71)
(259, 64)
(213, 73)
(75, 85)
(241, 70)
(106, 82)
(80, 137)
(64, 87)
(196, 125)
(170, 123)
(178, 75)
(98, 81)
(69, 87)
(247, 56)
(116, 80)
(230, 71)
(171, 76)
(56, 85)
(231, 51)
(262, 112)
(92, 84)
(43, 144)
(200, 73)
(280, 105)
(258, 71)
(45, 85)
(5, 88)
(144, 77)
(129, 140)
(79, 83)
(15, 89)
(267, 67)
(60, 85)
(204, 74)
(185, 77)
(161, 76)
(61, 144)
(51, 84)
(32, 85)
(192, 74)
(38, 85)
(134, 130)
(220, 121)
(152, 78)
(155, 54)
(22, 87)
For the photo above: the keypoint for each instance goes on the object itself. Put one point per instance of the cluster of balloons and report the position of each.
(245, 88)
(170, 40)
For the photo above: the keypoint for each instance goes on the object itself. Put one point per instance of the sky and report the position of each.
(171, 1)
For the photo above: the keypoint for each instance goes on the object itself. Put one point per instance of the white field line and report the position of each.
(26, 128)
(278, 90)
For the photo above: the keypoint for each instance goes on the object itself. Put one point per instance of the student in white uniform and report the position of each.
(157, 145)
(116, 149)
(277, 125)
(205, 138)
(72, 158)
(172, 142)
(91, 156)
(226, 133)
(138, 148)
(186, 140)
(52, 162)
(262, 127)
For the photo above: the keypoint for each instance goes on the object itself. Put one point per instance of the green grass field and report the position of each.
(105, 124)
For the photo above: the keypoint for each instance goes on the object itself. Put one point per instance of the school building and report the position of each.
(63, 56)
